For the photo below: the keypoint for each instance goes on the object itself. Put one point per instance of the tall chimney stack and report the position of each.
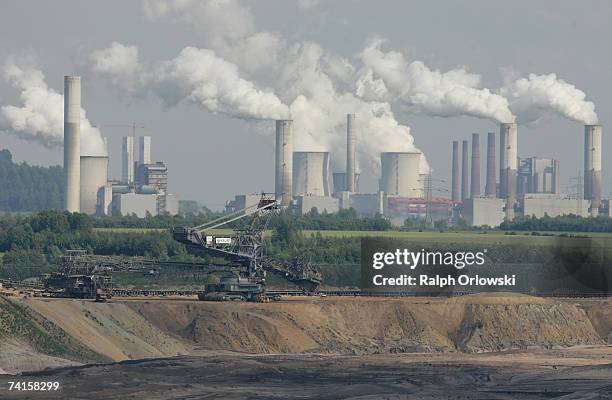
(592, 167)
(72, 142)
(475, 176)
(284, 162)
(350, 153)
(490, 189)
(464, 172)
(491, 183)
(455, 185)
(509, 163)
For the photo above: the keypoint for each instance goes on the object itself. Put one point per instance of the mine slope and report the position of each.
(39, 333)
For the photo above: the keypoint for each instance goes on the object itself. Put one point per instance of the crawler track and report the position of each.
(160, 294)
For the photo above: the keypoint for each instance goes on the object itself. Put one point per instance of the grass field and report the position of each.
(433, 236)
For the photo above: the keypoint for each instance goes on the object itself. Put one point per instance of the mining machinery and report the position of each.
(82, 276)
(245, 249)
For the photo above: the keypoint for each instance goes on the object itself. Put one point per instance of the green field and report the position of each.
(542, 238)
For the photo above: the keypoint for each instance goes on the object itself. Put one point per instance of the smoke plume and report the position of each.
(431, 92)
(41, 117)
(197, 75)
(318, 86)
(532, 97)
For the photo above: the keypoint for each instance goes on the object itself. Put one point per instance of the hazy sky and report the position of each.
(212, 156)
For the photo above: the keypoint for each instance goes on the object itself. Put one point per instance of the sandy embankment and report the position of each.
(132, 329)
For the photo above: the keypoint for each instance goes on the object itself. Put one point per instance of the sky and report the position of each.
(210, 77)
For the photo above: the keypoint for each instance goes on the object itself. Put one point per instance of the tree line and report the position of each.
(564, 223)
(25, 187)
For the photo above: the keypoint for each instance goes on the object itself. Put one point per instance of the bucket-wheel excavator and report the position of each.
(245, 249)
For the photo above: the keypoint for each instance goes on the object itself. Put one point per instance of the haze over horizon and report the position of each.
(206, 79)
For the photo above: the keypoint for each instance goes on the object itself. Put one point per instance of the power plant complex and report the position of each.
(527, 186)
(304, 180)
(143, 187)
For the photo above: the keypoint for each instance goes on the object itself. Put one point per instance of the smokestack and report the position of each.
(284, 162)
(490, 190)
(72, 142)
(464, 172)
(508, 161)
(456, 192)
(350, 153)
(475, 177)
(127, 153)
(592, 167)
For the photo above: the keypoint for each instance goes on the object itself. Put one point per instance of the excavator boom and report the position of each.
(247, 247)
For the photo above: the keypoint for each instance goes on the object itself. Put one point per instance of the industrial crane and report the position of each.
(246, 248)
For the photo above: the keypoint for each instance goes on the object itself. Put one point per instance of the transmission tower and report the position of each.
(578, 191)
(429, 188)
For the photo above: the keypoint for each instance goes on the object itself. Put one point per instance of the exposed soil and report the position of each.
(480, 346)
(577, 373)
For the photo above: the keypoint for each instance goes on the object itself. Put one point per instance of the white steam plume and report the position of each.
(319, 109)
(431, 92)
(532, 97)
(41, 117)
(198, 75)
(220, 20)
(121, 63)
(318, 86)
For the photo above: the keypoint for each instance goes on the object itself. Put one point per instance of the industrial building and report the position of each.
(88, 188)
(538, 175)
(320, 204)
(483, 211)
(539, 205)
(528, 186)
(127, 157)
(144, 153)
(339, 182)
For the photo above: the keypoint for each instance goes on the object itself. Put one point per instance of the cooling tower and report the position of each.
(592, 166)
(284, 162)
(72, 141)
(94, 175)
(455, 185)
(475, 168)
(350, 153)
(127, 155)
(144, 147)
(490, 189)
(311, 173)
(400, 174)
(464, 171)
(508, 165)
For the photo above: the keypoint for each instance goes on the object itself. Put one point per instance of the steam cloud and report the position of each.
(198, 75)
(431, 92)
(315, 87)
(41, 117)
(531, 97)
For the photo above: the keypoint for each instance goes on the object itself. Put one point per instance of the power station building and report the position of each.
(538, 175)
(88, 189)
(529, 186)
